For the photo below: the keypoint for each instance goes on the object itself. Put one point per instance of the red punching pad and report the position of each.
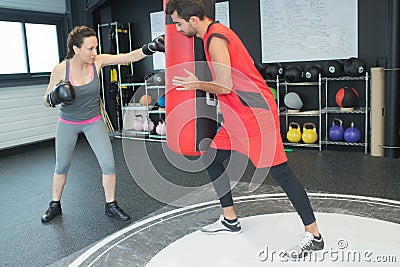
(187, 113)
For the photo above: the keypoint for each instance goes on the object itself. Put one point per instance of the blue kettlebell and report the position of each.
(352, 134)
(336, 131)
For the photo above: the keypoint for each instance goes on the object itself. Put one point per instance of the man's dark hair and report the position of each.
(186, 8)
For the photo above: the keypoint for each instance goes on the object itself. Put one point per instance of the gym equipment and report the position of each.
(293, 74)
(148, 125)
(161, 128)
(311, 73)
(293, 101)
(161, 101)
(157, 45)
(61, 92)
(294, 133)
(354, 67)
(191, 116)
(138, 123)
(271, 70)
(352, 134)
(332, 68)
(309, 135)
(336, 131)
(347, 97)
(145, 100)
(159, 78)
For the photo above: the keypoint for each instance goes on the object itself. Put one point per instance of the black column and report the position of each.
(392, 114)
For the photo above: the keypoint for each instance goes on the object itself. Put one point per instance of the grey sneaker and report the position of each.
(222, 226)
(307, 244)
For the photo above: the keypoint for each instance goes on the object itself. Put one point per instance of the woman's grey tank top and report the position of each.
(86, 104)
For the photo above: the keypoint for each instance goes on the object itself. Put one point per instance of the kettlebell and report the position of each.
(309, 135)
(161, 128)
(294, 133)
(148, 125)
(352, 134)
(138, 123)
(336, 131)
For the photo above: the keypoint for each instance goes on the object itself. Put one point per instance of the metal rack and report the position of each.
(335, 110)
(118, 28)
(314, 113)
(146, 110)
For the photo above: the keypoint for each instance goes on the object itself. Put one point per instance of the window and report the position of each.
(42, 47)
(30, 45)
(12, 48)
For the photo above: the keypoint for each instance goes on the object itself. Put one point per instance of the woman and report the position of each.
(79, 96)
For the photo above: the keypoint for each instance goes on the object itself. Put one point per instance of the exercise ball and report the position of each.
(145, 100)
(161, 101)
(347, 97)
(332, 68)
(293, 74)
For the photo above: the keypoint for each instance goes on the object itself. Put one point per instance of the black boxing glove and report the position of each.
(62, 92)
(157, 45)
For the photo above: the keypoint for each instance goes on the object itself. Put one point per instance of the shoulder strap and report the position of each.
(67, 69)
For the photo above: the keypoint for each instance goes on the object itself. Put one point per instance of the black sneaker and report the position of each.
(53, 211)
(112, 210)
(222, 227)
(307, 244)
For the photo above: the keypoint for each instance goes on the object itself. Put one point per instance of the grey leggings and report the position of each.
(96, 134)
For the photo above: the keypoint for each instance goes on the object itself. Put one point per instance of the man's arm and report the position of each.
(221, 64)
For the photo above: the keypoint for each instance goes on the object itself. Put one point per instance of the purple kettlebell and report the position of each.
(336, 131)
(352, 134)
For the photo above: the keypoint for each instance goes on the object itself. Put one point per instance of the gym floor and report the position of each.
(339, 183)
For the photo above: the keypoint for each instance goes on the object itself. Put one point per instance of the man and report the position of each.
(246, 104)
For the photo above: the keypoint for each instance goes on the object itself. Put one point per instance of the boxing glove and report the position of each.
(62, 92)
(157, 45)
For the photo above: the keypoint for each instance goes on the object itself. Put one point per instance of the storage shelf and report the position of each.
(156, 111)
(342, 143)
(300, 113)
(360, 110)
(346, 78)
(301, 144)
(137, 108)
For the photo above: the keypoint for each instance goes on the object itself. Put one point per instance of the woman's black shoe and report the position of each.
(53, 211)
(112, 210)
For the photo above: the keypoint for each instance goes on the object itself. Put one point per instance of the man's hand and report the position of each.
(190, 82)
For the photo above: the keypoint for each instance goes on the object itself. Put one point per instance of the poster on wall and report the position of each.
(307, 30)
(222, 13)
(157, 28)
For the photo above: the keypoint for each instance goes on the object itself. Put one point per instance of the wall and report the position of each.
(245, 21)
(23, 117)
(52, 6)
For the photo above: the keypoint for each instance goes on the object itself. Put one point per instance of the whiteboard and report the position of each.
(157, 28)
(307, 30)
